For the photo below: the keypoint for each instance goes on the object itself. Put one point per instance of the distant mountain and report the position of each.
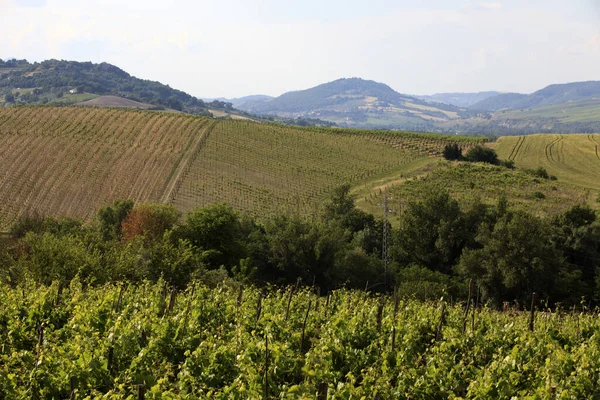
(499, 102)
(458, 99)
(548, 96)
(355, 102)
(59, 81)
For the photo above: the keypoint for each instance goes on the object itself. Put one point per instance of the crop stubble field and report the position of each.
(69, 161)
(573, 158)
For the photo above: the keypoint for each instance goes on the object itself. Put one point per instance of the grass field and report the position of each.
(69, 161)
(572, 158)
(467, 182)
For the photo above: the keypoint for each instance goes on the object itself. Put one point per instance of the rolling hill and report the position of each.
(59, 81)
(355, 102)
(69, 161)
(548, 96)
(458, 99)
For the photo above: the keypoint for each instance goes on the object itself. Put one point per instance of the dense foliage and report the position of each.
(437, 247)
(51, 79)
(129, 341)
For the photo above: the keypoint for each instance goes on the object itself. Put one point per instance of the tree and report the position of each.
(150, 220)
(216, 229)
(9, 98)
(431, 233)
(111, 218)
(515, 259)
(482, 154)
(452, 152)
(340, 208)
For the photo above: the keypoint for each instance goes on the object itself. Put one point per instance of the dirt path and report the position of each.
(185, 162)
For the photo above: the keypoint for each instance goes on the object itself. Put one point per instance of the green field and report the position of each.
(572, 158)
(576, 111)
(467, 182)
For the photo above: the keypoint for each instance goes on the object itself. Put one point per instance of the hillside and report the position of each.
(548, 96)
(469, 182)
(458, 99)
(69, 161)
(59, 81)
(355, 102)
(572, 158)
(115, 101)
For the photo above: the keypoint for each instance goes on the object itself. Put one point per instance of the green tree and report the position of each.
(217, 231)
(111, 217)
(482, 154)
(431, 233)
(452, 151)
(515, 259)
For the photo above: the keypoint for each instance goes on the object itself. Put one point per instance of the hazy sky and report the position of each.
(240, 47)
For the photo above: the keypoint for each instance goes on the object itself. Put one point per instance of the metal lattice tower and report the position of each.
(384, 245)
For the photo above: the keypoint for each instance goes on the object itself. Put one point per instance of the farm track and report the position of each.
(515, 150)
(548, 150)
(185, 163)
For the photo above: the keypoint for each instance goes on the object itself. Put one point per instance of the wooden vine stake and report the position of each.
(258, 307)
(438, 333)
(289, 303)
(141, 392)
(393, 347)
(266, 378)
(380, 313)
(467, 307)
(322, 391)
(304, 327)
(532, 312)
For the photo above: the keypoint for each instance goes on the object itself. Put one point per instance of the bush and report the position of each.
(482, 154)
(510, 164)
(539, 195)
(452, 152)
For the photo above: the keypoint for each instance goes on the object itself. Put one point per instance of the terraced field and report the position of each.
(69, 161)
(572, 158)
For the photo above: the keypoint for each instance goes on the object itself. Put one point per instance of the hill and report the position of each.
(355, 102)
(458, 99)
(572, 158)
(57, 81)
(69, 161)
(548, 96)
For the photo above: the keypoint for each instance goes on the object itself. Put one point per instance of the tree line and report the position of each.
(437, 247)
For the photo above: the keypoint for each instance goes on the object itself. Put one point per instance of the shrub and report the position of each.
(510, 164)
(539, 195)
(482, 154)
(452, 152)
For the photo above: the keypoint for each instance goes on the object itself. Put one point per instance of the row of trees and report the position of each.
(436, 249)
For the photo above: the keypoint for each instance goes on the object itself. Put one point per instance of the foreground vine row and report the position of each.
(121, 341)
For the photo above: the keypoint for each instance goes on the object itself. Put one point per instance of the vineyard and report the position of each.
(69, 161)
(572, 158)
(146, 341)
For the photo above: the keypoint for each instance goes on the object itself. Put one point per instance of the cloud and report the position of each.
(30, 3)
(490, 6)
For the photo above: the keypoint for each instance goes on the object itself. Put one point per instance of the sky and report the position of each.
(241, 47)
